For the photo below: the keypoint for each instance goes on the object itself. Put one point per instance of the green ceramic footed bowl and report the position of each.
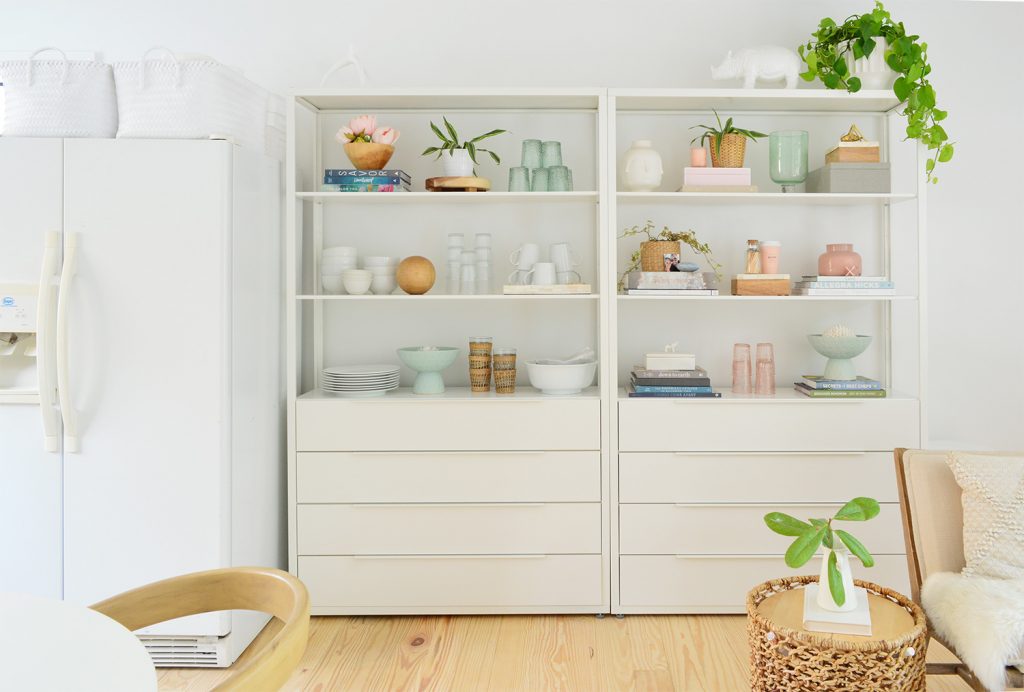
(839, 350)
(428, 361)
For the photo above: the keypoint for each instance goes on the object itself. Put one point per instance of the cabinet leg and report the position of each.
(619, 616)
(600, 616)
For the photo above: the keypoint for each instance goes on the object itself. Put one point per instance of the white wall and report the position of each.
(975, 213)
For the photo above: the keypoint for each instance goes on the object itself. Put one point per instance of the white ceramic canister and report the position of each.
(642, 168)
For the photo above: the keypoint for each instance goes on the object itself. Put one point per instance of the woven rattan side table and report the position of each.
(784, 656)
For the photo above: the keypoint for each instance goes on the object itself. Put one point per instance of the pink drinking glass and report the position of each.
(765, 376)
(741, 369)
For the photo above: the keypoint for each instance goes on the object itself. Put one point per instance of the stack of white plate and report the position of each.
(360, 380)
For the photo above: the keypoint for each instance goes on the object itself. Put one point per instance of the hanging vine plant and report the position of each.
(825, 56)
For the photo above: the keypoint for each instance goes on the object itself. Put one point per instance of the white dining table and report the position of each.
(51, 645)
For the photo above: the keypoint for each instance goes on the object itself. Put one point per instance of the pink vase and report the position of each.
(839, 260)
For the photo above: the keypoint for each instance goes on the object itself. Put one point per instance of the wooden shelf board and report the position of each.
(773, 198)
(736, 100)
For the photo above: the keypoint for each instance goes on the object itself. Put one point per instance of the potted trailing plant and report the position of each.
(651, 255)
(835, 49)
(835, 590)
(728, 142)
(368, 146)
(459, 157)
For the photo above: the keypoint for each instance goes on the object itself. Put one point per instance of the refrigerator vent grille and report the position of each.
(185, 652)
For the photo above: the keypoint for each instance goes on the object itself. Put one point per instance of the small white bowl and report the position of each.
(561, 379)
(383, 285)
(356, 281)
(379, 261)
(332, 284)
(333, 266)
(382, 271)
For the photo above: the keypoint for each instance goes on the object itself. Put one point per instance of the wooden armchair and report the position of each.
(238, 588)
(933, 530)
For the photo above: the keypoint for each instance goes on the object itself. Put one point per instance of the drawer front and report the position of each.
(541, 580)
(722, 583)
(782, 478)
(529, 424)
(776, 425)
(738, 529)
(512, 528)
(354, 477)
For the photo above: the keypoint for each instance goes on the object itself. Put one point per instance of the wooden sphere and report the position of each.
(415, 275)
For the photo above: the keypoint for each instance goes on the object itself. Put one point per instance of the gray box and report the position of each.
(851, 177)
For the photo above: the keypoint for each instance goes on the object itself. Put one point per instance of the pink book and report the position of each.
(716, 176)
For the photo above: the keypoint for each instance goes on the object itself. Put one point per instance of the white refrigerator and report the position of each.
(141, 398)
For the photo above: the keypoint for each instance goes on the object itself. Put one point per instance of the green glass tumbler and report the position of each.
(787, 158)
(539, 180)
(531, 153)
(558, 179)
(518, 179)
(551, 154)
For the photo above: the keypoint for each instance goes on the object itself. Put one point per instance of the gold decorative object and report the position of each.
(854, 135)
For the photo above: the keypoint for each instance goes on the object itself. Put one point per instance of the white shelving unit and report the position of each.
(467, 503)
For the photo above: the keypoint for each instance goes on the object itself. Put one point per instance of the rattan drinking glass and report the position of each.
(480, 379)
(505, 381)
(480, 345)
(504, 359)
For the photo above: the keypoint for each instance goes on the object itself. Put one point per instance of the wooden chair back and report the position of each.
(237, 588)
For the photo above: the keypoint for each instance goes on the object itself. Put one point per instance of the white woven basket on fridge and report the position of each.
(191, 98)
(58, 98)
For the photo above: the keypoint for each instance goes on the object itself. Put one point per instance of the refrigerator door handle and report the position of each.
(44, 347)
(67, 409)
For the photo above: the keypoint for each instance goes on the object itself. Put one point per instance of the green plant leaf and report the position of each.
(437, 131)
(451, 130)
(856, 547)
(945, 153)
(785, 524)
(804, 547)
(828, 540)
(858, 509)
(831, 80)
(497, 159)
(853, 84)
(902, 88)
(938, 115)
(430, 150)
(471, 148)
(492, 133)
(835, 581)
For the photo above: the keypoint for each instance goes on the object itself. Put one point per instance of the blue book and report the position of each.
(669, 389)
(861, 384)
(357, 172)
(365, 180)
(676, 395)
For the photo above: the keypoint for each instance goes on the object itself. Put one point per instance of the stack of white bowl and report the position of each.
(382, 271)
(334, 262)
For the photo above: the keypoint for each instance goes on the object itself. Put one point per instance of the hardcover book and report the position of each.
(669, 389)
(852, 283)
(675, 395)
(672, 292)
(817, 619)
(861, 383)
(670, 381)
(639, 371)
(829, 279)
(845, 291)
(357, 172)
(839, 393)
(364, 188)
(364, 179)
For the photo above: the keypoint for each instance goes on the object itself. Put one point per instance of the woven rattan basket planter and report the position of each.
(652, 254)
(732, 151)
(792, 660)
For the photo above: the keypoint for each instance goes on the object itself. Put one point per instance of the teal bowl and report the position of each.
(428, 362)
(839, 350)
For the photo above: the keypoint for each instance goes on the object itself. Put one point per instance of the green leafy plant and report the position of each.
(811, 534)
(450, 142)
(688, 238)
(715, 134)
(825, 57)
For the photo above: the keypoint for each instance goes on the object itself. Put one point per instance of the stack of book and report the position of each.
(354, 180)
(717, 180)
(691, 384)
(844, 286)
(682, 283)
(818, 387)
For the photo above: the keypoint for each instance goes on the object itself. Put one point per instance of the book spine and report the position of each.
(843, 386)
(362, 180)
(670, 374)
(350, 172)
(841, 394)
(845, 284)
(831, 279)
(671, 382)
(673, 292)
(845, 292)
(680, 395)
(670, 389)
(363, 188)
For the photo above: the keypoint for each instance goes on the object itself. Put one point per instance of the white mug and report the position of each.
(569, 277)
(561, 255)
(525, 256)
(543, 274)
(519, 277)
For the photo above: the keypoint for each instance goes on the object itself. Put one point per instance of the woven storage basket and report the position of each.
(733, 149)
(194, 98)
(786, 659)
(58, 98)
(652, 254)
(505, 381)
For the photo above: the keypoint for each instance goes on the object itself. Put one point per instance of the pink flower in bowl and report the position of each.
(363, 127)
(386, 135)
(345, 135)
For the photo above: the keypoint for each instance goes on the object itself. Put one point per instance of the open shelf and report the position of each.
(784, 393)
(404, 99)
(763, 299)
(522, 393)
(449, 297)
(773, 198)
(421, 197)
(734, 100)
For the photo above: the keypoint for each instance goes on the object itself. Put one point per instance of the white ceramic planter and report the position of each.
(642, 168)
(824, 595)
(872, 71)
(457, 163)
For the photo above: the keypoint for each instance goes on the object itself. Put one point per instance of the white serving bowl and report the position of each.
(356, 281)
(561, 379)
(379, 261)
(383, 285)
(332, 284)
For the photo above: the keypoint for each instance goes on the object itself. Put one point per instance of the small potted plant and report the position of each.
(651, 255)
(728, 142)
(459, 157)
(368, 146)
(835, 584)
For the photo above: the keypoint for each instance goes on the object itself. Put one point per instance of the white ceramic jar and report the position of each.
(457, 163)
(642, 169)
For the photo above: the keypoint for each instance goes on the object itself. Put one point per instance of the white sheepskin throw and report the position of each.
(983, 619)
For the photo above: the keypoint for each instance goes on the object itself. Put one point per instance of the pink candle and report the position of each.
(698, 157)
(770, 256)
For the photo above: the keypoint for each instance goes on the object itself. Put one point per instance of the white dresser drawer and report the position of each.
(739, 529)
(780, 477)
(494, 581)
(736, 425)
(383, 529)
(720, 584)
(354, 477)
(529, 423)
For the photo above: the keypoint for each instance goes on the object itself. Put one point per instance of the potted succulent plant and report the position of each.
(728, 142)
(845, 56)
(368, 146)
(459, 157)
(651, 255)
(835, 590)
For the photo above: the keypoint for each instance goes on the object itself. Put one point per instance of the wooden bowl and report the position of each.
(369, 156)
(415, 275)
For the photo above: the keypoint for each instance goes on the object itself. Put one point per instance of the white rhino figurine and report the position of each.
(769, 63)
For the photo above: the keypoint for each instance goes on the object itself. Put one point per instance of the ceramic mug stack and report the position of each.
(334, 262)
(504, 360)
(530, 270)
(382, 274)
(469, 271)
(456, 243)
(541, 169)
(480, 363)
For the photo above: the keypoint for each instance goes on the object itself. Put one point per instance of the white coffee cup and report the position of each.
(542, 274)
(456, 240)
(569, 277)
(525, 256)
(561, 255)
(519, 277)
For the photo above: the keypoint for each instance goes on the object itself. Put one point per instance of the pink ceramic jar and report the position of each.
(839, 260)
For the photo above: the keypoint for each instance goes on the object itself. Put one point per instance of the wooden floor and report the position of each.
(570, 652)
